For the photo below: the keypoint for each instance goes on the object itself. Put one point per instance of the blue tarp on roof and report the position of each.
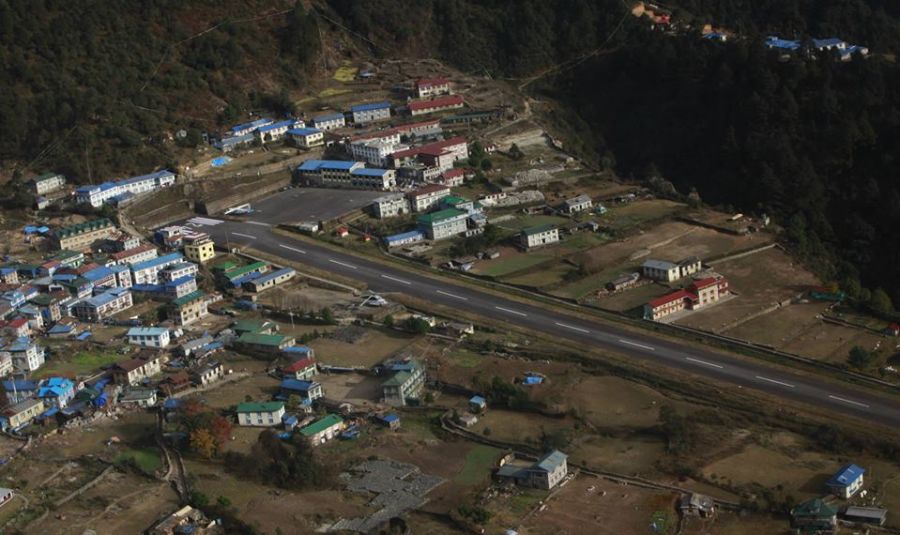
(846, 476)
(389, 418)
(303, 131)
(531, 380)
(60, 329)
(328, 117)
(370, 106)
(297, 349)
(220, 161)
(296, 384)
(84, 336)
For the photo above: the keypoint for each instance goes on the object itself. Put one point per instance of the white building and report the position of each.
(132, 372)
(276, 131)
(341, 174)
(661, 270)
(266, 414)
(375, 151)
(97, 195)
(47, 183)
(26, 356)
(147, 272)
(373, 111)
(539, 235)
(443, 224)
(390, 206)
(177, 271)
(249, 128)
(329, 121)
(581, 203)
(434, 105)
(426, 197)
(429, 87)
(157, 337)
(307, 137)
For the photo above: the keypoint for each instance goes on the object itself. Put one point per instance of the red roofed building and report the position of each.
(427, 196)
(18, 327)
(429, 87)
(453, 177)
(423, 107)
(441, 154)
(135, 255)
(302, 370)
(698, 294)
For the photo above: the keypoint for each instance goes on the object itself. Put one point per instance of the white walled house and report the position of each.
(307, 137)
(265, 414)
(539, 236)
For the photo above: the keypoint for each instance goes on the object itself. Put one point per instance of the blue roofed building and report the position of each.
(329, 121)
(276, 131)
(180, 287)
(405, 238)
(269, 280)
(56, 392)
(370, 112)
(26, 355)
(308, 391)
(306, 137)
(100, 276)
(101, 306)
(544, 474)
(157, 337)
(97, 195)
(345, 174)
(249, 127)
(147, 272)
(18, 390)
(847, 481)
(229, 143)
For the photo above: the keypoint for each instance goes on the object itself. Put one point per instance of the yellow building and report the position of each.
(200, 250)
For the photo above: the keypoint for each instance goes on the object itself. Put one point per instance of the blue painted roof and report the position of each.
(478, 400)
(370, 106)
(21, 344)
(369, 172)
(252, 124)
(830, 41)
(180, 281)
(84, 336)
(97, 273)
(296, 384)
(774, 41)
(159, 261)
(550, 461)
(147, 288)
(55, 387)
(391, 417)
(303, 131)
(19, 384)
(274, 126)
(147, 331)
(297, 349)
(315, 165)
(272, 275)
(846, 476)
(328, 117)
(405, 235)
(60, 329)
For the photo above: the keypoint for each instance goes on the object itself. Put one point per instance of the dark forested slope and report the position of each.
(813, 141)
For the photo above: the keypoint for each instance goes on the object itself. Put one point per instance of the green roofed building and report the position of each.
(814, 516)
(224, 266)
(80, 237)
(323, 430)
(238, 272)
(263, 414)
(258, 327)
(460, 203)
(266, 343)
(539, 235)
(443, 223)
(189, 308)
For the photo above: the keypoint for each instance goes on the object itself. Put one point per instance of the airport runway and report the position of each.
(727, 371)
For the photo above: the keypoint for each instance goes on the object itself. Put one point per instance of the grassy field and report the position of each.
(543, 276)
(333, 92)
(376, 346)
(511, 262)
(517, 426)
(522, 222)
(621, 217)
(479, 461)
(82, 363)
(345, 73)
(803, 473)
(146, 459)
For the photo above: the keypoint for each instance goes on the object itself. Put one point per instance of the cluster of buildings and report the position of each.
(122, 191)
(701, 292)
(821, 515)
(842, 50)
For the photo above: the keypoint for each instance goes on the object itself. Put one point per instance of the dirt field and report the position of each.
(761, 280)
(591, 505)
(376, 346)
(632, 454)
(258, 387)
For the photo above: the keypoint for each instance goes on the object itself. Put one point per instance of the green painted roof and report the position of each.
(398, 379)
(265, 406)
(65, 254)
(320, 425)
(814, 508)
(453, 200)
(538, 229)
(185, 299)
(81, 228)
(441, 215)
(224, 266)
(257, 339)
(241, 271)
(45, 176)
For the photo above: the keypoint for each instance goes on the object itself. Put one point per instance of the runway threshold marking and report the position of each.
(850, 401)
(782, 383)
(703, 362)
(258, 223)
(448, 294)
(511, 311)
(635, 344)
(338, 262)
(244, 235)
(574, 328)
(395, 279)
(289, 248)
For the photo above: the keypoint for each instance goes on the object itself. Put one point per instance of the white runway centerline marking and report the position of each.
(703, 362)
(289, 248)
(243, 235)
(448, 294)
(635, 344)
(338, 262)
(782, 383)
(516, 312)
(259, 223)
(395, 279)
(574, 328)
(850, 401)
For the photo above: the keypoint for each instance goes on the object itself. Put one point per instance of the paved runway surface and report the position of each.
(728, 371)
